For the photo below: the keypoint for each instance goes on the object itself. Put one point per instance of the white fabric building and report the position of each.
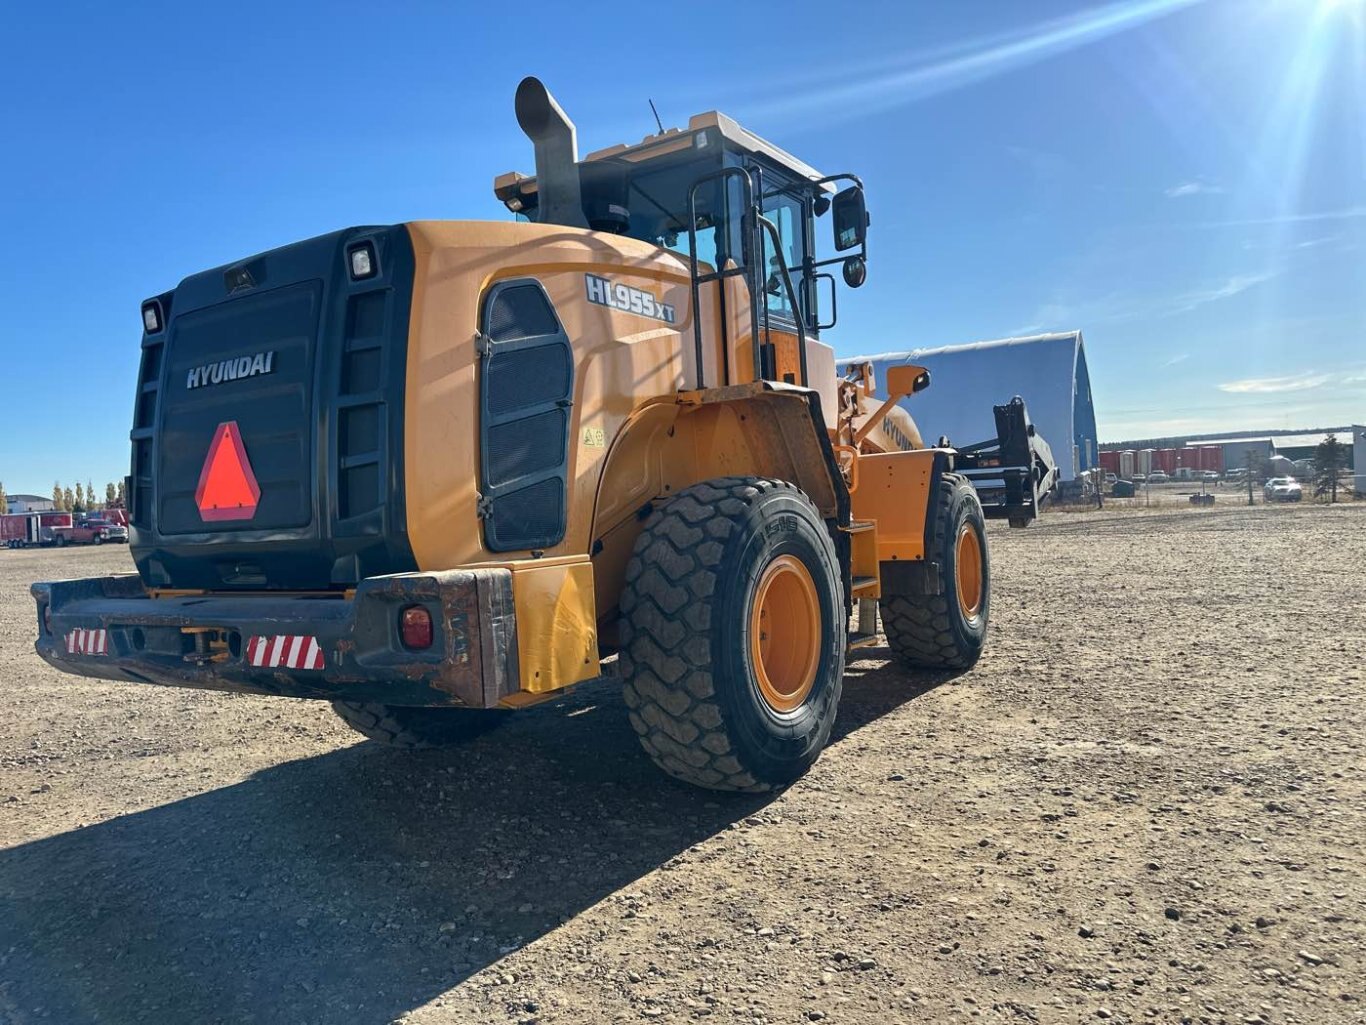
(1048, 371)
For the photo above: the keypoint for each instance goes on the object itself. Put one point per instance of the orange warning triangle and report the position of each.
(227, 486)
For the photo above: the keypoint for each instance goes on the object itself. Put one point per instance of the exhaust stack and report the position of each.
(557, 155)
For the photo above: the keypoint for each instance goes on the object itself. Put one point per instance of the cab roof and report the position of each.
(703, 130)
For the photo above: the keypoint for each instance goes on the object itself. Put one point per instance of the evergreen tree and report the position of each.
(1329, 459)
(90, 500)
(68, 500)
(80, 497)
(111, 495)
(58, 501)
(123, 498)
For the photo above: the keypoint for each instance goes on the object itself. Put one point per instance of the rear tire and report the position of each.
(946, 631)
(412, 728)
(733, 635)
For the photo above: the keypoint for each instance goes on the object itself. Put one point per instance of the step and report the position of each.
(858, 526)
(863, 641)
(863, 584)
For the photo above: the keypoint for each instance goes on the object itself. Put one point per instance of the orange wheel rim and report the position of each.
(969, 570)
(785, 633)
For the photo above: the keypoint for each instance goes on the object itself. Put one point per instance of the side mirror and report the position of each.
(850, 220)
(855, 271)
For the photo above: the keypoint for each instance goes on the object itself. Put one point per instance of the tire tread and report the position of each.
(918, 627)
(666, 640)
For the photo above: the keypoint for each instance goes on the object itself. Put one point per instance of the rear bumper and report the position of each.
(335, 648)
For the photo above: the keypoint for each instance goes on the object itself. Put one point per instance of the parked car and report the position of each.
(1110, 479)
(1209, 476)
(90, 531)
(1282, 489)
(1158, 477)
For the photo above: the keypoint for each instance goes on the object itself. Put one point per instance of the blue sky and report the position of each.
(1185, 181)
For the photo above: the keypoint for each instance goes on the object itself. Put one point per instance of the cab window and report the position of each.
(787, 212)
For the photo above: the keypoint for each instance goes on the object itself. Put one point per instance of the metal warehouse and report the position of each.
(1305, 446)
(1048, 371)
(1290, 446)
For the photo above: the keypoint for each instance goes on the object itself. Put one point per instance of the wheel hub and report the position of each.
(968, 571)
(785, 633)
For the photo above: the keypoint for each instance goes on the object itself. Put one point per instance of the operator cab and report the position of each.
(714, 193)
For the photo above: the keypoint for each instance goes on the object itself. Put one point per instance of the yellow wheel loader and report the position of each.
(438, 471)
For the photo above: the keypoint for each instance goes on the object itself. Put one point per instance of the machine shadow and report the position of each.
(873, 690)
(357, 885)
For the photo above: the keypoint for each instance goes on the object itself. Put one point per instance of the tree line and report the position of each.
(85, 499)
(80, 499)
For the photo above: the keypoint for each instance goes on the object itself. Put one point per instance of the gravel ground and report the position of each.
(1145, 804)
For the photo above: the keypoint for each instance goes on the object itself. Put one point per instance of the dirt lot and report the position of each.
(1145, 804)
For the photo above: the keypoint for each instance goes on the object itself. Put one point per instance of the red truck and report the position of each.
(31, 529)
(90, 530)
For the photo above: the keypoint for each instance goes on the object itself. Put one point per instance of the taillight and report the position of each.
(415, 627)
(47, 620)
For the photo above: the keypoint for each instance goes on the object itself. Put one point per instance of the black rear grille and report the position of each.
(322, 426)
(138, 487)
(272, 411)
(361, 425)
(527, 388)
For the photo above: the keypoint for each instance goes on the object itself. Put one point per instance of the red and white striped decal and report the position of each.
(87, 642)
(291, 652)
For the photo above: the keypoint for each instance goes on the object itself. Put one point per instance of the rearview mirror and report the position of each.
(851, 218)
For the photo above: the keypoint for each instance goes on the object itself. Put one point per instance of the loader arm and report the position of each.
(1013, 472)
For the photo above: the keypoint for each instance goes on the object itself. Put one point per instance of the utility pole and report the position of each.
(1249, 476)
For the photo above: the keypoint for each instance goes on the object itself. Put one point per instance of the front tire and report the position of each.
(948, 630)
(413, 728)
(733, 634)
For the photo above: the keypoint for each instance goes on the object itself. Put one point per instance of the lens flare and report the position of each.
(884, 86)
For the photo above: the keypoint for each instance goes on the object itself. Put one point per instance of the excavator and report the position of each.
(439, 471)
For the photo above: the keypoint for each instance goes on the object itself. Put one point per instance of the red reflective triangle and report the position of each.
(227, 486)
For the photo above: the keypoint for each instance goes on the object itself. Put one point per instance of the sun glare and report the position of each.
(1354, 8)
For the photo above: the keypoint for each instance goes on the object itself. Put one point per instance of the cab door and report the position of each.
(787, 299)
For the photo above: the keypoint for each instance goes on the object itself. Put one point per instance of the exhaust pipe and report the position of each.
(557, 157)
